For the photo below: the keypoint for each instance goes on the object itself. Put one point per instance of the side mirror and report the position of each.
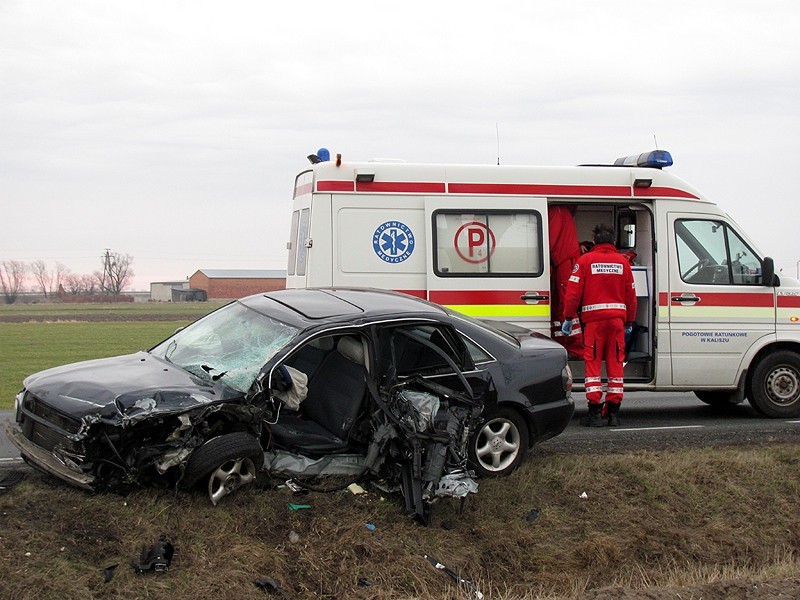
(768, 277)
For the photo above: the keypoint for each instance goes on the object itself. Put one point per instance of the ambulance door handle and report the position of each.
(686, 298)
(533, 297)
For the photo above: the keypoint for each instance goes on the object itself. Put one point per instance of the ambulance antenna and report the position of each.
(655, 140)
(497, 129)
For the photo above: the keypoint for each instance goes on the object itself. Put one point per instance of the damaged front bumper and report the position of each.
(45, 460)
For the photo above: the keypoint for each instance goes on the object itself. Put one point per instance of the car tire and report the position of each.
(500, 445)
(225, 463)
(775, 385)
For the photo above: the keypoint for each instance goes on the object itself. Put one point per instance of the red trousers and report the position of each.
(558, 288)
(604, 340)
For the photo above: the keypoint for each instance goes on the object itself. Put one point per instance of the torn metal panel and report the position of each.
(287, 463)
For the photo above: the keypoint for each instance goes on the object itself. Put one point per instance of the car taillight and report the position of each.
(566, 379)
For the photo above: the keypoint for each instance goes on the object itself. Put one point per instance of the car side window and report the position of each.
(476, 352)
(421, 349)
(711, 252)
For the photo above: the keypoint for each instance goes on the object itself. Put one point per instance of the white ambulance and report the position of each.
(716, 318)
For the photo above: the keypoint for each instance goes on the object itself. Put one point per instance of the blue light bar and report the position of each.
(655, 159)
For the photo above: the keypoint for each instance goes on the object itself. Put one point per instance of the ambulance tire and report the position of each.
(500, 445)
(775, 385)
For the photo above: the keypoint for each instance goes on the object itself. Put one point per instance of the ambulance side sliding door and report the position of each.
(488, 258)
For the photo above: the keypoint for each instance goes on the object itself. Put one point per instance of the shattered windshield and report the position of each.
(230, 345)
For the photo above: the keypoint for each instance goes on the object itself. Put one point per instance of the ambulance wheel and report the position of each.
(775, 386)
(500, 445)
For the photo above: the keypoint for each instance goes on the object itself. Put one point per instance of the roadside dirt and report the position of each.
(779, 589)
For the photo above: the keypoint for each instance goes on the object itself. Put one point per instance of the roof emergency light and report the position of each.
(655, 159)
(322, 155)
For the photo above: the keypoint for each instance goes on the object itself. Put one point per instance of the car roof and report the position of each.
(306, 307)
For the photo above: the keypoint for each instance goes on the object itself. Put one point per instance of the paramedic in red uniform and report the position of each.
(602, 285)
(564, 253)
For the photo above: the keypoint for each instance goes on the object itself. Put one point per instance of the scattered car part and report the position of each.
(157, 558)
(466, 584)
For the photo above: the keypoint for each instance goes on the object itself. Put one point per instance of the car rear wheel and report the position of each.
(775, 387)
(500, 445)
(225, 463)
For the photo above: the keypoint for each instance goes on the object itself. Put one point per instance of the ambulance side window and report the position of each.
(487, 243)
(300, 241)
(710, 252)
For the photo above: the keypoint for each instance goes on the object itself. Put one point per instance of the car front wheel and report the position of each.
(225, 464)
(500, 445)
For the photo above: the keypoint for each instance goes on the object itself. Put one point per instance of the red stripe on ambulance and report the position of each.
(536, 189)
(747, 300)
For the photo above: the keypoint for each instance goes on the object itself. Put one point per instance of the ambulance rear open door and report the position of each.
(299, 233)
(488, 257)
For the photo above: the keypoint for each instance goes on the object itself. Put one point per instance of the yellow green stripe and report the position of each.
(502, 310)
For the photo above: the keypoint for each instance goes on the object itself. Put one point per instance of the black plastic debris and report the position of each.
(269, 585)
(364, 582)
(533, 515)
(464, 583)
(11, 479)
(108, 573)
(157, 558)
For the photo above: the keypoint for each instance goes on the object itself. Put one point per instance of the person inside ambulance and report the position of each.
(564, 253)
(602, 286)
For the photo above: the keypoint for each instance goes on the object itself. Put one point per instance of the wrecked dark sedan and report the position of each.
(297, 384)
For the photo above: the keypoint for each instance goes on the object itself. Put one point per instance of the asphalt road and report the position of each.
(655, 420)
(650, 420)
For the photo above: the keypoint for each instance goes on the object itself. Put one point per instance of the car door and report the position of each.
(718, 306)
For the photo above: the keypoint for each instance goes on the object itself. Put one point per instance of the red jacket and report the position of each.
(563, 235)
(602, 285)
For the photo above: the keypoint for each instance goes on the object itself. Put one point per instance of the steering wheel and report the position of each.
(703, 262)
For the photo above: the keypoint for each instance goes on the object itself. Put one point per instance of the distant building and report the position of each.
(161, 291)
(236, 283)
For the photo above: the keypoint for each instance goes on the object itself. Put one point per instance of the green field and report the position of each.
(70, 335)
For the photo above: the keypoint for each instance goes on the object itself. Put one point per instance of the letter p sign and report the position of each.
(474, 242)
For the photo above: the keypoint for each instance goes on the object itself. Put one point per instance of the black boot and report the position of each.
(613, 411)
(595, 416)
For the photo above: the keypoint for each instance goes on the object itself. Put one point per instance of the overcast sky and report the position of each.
(172, 131)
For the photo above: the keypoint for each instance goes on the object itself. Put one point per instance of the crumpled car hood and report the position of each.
(121, 387)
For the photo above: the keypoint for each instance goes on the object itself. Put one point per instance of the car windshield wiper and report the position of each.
(170, 349)
(216, 377)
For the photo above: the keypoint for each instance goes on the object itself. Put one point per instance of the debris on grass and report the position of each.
(108, 572)
(269, 585)
(533, 515)
(295, 507)
(356, 489)
(464, 583)
(157, 558)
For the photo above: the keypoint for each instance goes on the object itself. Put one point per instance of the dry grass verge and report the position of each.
(708, 523)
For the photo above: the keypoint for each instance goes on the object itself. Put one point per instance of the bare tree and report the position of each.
(80, 285)
(12, 277)
(116, 274)
(43, 277)
(61, 272)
